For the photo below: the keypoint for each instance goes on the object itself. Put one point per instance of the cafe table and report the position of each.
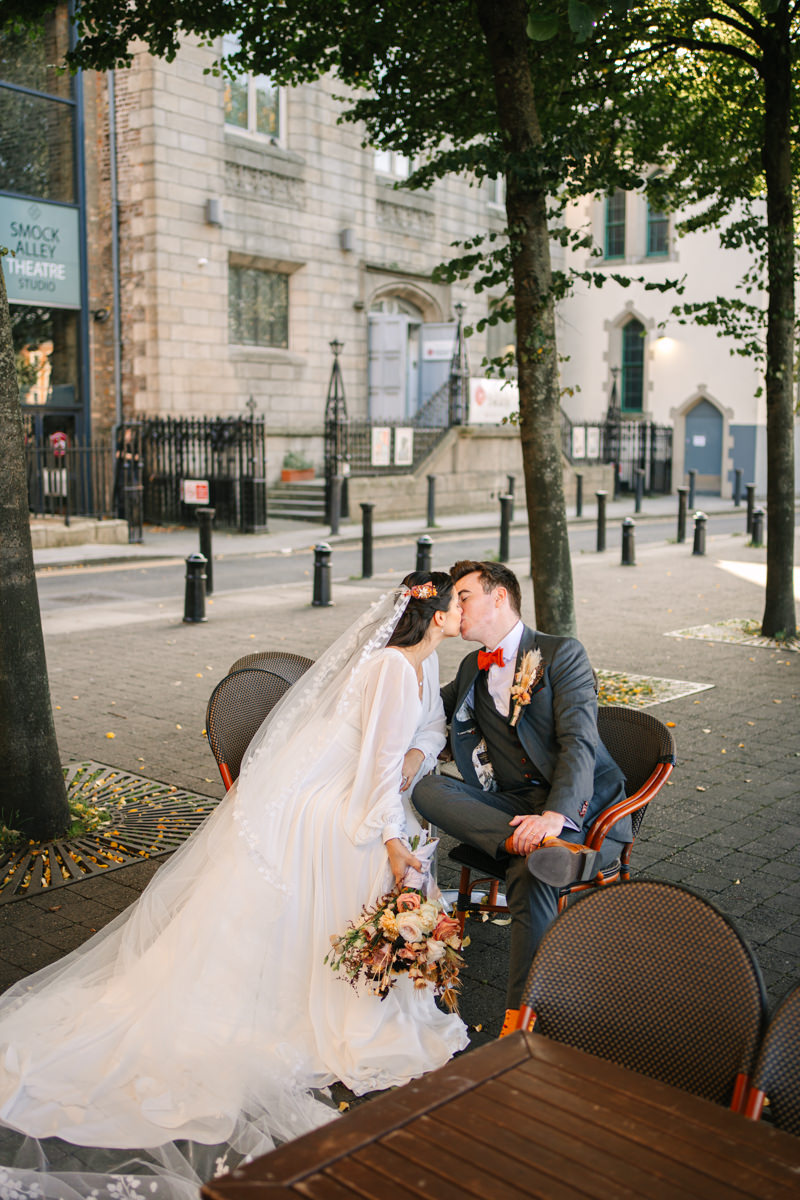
(525, 1116)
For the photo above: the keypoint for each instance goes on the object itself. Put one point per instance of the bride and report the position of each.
(198, 1022)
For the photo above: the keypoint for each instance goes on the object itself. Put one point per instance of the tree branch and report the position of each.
(688, 43)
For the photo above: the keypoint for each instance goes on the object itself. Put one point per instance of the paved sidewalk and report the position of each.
(727, 824)
(287, 536)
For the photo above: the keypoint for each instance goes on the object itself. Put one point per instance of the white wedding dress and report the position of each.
(202, 1017)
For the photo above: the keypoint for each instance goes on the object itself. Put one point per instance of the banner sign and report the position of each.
(490, 400)
(43, 263)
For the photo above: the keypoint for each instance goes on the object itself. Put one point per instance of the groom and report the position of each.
(533, 768)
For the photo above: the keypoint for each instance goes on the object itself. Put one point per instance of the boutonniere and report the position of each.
(530, 672)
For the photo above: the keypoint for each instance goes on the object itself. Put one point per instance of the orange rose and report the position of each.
(407, 900)
(446, 930)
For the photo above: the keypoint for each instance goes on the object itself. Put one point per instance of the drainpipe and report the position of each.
(117, 328)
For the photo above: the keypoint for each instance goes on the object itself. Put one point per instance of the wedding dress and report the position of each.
(198, 1022)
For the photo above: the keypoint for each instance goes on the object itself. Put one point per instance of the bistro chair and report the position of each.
(776, 1076)
(238, 705)
(653, 977)
(280, 662)
(644, 749)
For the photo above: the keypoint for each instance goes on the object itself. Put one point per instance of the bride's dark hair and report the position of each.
(413, 625)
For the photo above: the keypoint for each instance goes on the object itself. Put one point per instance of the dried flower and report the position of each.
(530, 672)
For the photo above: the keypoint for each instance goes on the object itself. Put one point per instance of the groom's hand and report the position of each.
(531, 828)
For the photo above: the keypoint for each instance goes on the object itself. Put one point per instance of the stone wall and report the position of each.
(471, 465)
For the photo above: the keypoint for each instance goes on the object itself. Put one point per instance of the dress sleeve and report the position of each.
(431, 732)
(389, 713)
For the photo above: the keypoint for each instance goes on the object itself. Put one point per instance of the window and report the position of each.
(657, 231)
(632, 366)
(615, 225)
(389, 162)
(252, 102)
(258, 307)
(497, 191)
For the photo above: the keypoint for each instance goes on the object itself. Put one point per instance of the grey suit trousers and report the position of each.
(482, 819)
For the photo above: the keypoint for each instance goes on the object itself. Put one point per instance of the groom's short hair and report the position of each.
(491, 575)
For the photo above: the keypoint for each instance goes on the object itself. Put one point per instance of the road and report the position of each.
(100, 584)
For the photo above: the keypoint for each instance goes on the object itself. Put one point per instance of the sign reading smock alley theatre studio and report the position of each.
(492, 401)
(43, 263)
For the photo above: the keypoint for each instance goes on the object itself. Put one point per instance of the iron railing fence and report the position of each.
(70, 480)
(228, 454)
(388, 447)
(629, 445)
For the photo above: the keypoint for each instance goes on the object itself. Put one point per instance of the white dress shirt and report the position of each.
(500, 679)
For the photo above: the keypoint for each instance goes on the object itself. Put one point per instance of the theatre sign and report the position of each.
(43, 263)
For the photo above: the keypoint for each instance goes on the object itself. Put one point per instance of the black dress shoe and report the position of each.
(560, 863)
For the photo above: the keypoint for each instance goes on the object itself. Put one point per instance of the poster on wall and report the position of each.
(43, 264)
(593, 442)
(404, 447)
(491, 401)
(579, 441)
(381, 449)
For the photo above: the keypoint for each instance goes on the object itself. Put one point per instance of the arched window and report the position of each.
(615, 226)
(632, 366)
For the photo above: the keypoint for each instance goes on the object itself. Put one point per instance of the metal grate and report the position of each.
(147, 819)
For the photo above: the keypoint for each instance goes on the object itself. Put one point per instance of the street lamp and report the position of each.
(459, 372)
(337, 465)
(613, 430)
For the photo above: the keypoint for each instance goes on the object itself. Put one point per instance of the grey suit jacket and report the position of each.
(557, 729)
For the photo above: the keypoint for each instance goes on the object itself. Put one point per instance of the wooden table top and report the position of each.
(523, 1117)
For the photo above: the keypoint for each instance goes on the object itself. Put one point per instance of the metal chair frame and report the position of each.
(622, 730)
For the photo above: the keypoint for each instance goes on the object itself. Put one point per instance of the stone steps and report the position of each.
(298, 501)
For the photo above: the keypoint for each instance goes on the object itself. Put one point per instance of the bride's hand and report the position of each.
(400, 859)
(412, 762)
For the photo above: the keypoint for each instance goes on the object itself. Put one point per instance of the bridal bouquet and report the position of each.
(407, 932)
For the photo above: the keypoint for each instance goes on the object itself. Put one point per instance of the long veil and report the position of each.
(139, 991)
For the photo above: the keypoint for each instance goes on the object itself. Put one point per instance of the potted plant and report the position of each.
(295, 468)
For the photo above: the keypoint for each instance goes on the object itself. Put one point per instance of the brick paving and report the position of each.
(727, 824)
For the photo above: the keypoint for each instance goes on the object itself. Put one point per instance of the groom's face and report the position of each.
(479, 610)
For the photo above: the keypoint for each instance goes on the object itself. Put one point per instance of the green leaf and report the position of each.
(581, 19)
(770, 6)
(542, 28)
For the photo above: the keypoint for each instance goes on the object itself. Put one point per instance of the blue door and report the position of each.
(704, 446)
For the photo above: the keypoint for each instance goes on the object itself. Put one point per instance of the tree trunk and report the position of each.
(779, 606)
(504, 26)
(32, 793)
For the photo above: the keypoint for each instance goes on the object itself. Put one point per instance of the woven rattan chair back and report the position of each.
(289, 666)
(238, 705)
(777, 1070)
(638, 742)
(653, 977)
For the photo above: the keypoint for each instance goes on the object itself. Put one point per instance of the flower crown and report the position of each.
(423, 591)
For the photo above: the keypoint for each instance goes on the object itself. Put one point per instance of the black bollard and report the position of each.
(699, 546)
(431, 501)
(692, 485)
(336, 503)
(506, 505)
(682, 492)
(578, 494)
(737, 487)
(510, 492)
(757, 531)
(194, 604)
(205, 520)
(601, 520)
(424, 550)
(366, 540)
(639, 473)
(750, 489)
(628, 543)
(322, 576)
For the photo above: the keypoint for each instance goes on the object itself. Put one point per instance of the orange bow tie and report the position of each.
(487, 658)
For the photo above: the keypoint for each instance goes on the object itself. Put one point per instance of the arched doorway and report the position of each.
(703, 446)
